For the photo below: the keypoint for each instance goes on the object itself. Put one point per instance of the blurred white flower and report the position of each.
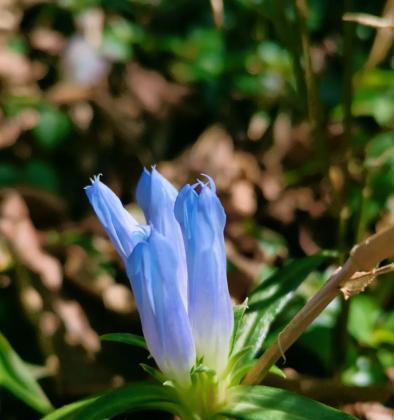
(83, 63)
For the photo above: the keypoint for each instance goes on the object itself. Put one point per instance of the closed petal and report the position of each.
(156, 196)
(202, 220)
(121, 227)
(152, 268)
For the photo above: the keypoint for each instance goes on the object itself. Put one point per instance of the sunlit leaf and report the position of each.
(131, 397)
(269, 298)
(239, 312)
(261, 402)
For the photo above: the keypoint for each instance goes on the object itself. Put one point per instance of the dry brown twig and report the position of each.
(369, 20)
(363, 258)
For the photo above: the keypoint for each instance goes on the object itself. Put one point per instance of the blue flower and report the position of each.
(202, 219)
(156, 196)
(177, 268)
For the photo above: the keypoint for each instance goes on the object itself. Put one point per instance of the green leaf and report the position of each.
(155, 373)
(239, 312)
(125, 338)
(16, 377)
(277, 371)
(365, 371)
(380, 151)
(269, 299)
(262, 402)
(131, 397)
(364, 314)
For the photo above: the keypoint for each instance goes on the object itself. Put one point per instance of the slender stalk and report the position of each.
(341, 336)
(363, 257)
(348, 37)
(313, 102)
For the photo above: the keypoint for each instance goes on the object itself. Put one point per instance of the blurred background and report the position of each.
(286, 105)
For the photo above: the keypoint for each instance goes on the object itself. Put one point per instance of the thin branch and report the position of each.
(217, 11)
(363, 257)
(370, 20)
(340, 338)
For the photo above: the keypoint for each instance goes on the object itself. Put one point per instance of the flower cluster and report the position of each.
(177, 268)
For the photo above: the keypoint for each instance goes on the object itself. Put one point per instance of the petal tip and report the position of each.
(211, 182)
(94, 180)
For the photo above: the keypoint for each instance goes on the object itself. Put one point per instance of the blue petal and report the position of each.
(152, 268)
(202, 220)
(122, 228)
(156, 196)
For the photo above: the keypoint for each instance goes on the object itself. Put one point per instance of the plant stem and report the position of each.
(348, 36)
(363, 257)
(313, 102)
(340, 336)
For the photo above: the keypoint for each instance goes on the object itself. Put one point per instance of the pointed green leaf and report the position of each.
(269, 299)
(238, 364)
(131, 397)
(155, 373)
(277, 371)
(239, 312)
(262, 402)
(16, 377)
(125, 338)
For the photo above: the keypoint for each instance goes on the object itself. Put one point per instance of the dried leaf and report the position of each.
(17, 227)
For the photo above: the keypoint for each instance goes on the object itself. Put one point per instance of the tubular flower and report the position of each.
(177, 269)
(202, 220)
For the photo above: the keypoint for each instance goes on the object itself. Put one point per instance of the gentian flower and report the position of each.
(177, 269)
(202, 220)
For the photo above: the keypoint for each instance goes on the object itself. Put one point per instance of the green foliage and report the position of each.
(17, 377)
(132, 397)
(250, 70)
(258, 402)
(247, 403)
(269, 298)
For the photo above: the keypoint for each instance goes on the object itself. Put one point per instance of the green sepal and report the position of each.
(201, 368)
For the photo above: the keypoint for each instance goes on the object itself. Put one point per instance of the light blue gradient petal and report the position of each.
(202, 220)
(152, 269)
(156, 196)
(122, 228)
